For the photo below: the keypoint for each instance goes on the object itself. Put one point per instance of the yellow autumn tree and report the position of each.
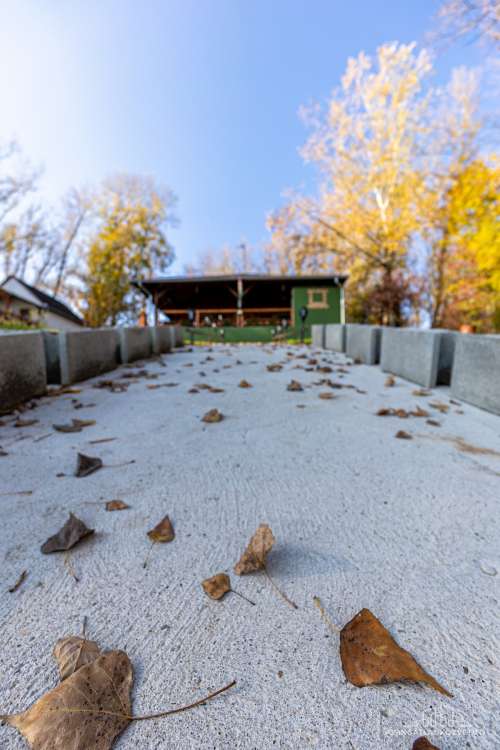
(128, 243)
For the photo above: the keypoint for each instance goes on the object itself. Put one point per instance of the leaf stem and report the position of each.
(243, 597)
(145, 563)
(283, 596)
(183, 708)
(334, 628)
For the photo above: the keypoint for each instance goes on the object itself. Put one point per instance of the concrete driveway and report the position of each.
(405, 527)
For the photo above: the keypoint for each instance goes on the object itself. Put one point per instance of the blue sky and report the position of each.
(201, 94)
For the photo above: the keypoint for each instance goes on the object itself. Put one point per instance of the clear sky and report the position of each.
(201, 94)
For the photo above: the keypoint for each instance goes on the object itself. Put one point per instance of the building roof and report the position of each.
(334, 278)
(43, 300)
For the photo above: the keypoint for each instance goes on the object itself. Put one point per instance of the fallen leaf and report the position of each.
(72, 653)
(326, 395)
(193, 390)
(217, 586)
(83, 422)
(370, 656)
(254, 556)
(214, 415)
(421, 392)
(215, 390)
(116, 505)
(390, 381)
(325, 369)
(419, 412)
(162, 532)
(433, 422)
(70, 534)
(88, 710)
(274, 368)
(66, 428)
(25, 422)
(86, 465)
(443, 408)
(19, 582)
(3, 453)
(423, 744)
(403, 435)
(294, 385)
(244, 384)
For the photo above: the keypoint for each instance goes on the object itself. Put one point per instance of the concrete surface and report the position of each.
(135, 343)
(161, 339)
(407, 528)
(178, 335)
(424, 357)
(363, 343)
(318, 334)
(84, 354)
(23, 374)
(335, 337)
(476, 371)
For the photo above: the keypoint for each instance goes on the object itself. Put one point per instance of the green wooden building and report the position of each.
(247, 307)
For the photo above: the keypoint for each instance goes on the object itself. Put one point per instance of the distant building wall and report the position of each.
(323, 303)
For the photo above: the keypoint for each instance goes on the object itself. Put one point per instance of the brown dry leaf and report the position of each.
(403, 435)
(116, 505)
(254, 556)
(325, 369)
(66, 428)
(390, 381)
(423, 744)
(163, 531)
(419, 412)
(385, 412)
(443, 408)
(83, 422)
(401, 413)
(433, 422)
(370, 655)
(86, 465)
(72, 653)
(193, 390)
(70, 534)
(213, 415)
(217, 586)
(294, 385)
(19, 582)
(88, 710)
(274, 368)
(212, 389)
(244, 384)
(421, 392)
(25, 422)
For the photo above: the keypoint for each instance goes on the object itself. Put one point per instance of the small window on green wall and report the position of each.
(317, 299)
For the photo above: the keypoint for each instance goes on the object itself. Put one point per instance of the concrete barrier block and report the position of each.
(87, 353)
(423, 357)
(135, 343)
(476, 371)
(363, 343)
(335, 337)
(318, 335)
(23, 374)
(161, 339)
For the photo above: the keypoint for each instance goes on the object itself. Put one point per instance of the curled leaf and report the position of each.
(25, 422)
(370, 655)
(327, 395)
(70, 534)
(274, 368)
(213, 415)
(217, 586)
(390, 381)
(433, 422)
(254, 556)
(419, 412)
(86, 465)
(443, 408)
(294, 385)
(74, 652)
(403, 435)
(163, 531)
(116, 505)
(244, 384)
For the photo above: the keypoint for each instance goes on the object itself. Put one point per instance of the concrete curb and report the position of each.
(23, 373)
(363, 343)
(476, 371)
(161, 339)
(423, 357)
(178, 335)
(335, 335)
